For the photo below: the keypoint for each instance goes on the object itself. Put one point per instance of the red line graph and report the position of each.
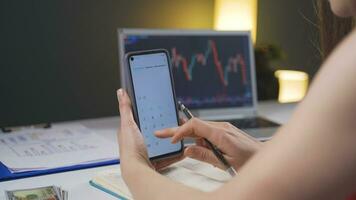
(217, 63)
(176, 59)
(232, 64)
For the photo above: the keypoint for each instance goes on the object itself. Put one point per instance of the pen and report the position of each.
(215, 150)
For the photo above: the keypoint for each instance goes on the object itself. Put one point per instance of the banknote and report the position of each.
(41, 193)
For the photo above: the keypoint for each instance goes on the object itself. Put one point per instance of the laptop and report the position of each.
(213, 71)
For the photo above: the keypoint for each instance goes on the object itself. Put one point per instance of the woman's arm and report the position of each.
(314, 155)
(145, 183)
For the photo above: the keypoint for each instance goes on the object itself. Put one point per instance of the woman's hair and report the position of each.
(332, 28)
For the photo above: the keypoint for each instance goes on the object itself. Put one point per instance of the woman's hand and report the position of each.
(133, 150)
(132, 147)
(236, 145)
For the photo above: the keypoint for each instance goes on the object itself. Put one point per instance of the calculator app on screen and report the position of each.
(155, 103)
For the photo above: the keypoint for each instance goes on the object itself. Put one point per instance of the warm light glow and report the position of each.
(236, 15)
(293, 85)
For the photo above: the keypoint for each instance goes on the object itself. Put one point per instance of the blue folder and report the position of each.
(6, 175)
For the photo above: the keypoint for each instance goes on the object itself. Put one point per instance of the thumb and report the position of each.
(203, 154)
(125, 106)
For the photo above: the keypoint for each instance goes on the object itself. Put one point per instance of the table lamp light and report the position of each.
(293, 85)
(236, 15)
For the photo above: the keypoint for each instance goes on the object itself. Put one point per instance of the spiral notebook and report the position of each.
(193, 173)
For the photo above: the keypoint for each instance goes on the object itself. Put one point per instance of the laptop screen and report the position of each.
(209, 70)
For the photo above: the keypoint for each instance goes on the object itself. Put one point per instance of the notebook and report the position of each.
(193, 173)
(61, 146)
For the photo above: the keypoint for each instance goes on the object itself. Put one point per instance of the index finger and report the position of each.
(168, 132)
(194, 128)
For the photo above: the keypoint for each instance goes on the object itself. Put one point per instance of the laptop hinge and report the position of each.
(223, 117)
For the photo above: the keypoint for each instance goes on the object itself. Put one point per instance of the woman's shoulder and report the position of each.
(344, 55)
(334, 88)
(342, 61)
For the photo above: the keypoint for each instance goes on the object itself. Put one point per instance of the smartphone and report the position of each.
(151, 89)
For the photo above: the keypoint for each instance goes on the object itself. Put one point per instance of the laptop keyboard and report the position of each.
(255, 122)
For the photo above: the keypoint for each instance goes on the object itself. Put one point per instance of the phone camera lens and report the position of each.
(132, 59)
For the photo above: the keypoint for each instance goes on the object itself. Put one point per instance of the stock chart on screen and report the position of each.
(210, 71)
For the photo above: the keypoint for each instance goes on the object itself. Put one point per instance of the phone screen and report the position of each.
(155, 101)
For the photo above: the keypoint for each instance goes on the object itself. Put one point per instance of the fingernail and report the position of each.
(187, 151)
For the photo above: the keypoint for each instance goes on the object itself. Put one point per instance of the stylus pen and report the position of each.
(215, 150)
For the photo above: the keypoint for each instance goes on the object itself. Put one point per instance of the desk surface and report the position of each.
(76, 182)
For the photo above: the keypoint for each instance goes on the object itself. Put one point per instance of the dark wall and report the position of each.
(291, 26)
(58, 58)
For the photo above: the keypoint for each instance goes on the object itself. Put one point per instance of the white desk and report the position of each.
(76, 182)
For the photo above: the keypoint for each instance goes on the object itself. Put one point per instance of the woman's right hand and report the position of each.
(235, 144)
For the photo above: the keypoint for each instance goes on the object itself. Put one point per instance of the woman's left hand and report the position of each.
(131, 144)
(133, 150)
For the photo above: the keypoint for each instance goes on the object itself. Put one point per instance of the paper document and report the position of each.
(60, 146)
(193, 173)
